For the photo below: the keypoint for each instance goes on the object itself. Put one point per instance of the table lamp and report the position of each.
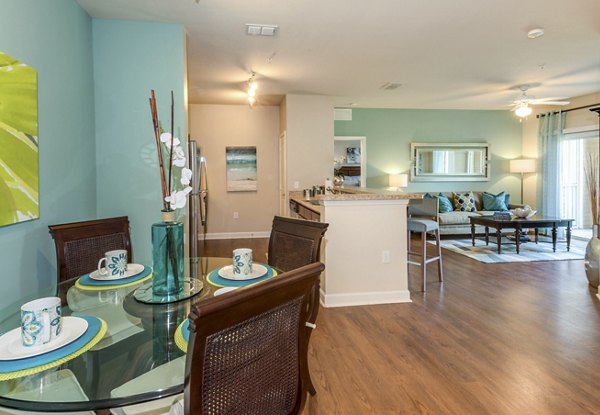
(398, 180)
(522, 166)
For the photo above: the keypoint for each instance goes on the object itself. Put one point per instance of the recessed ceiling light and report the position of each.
(535, 33)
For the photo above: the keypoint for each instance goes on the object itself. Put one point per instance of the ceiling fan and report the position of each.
(522, 108)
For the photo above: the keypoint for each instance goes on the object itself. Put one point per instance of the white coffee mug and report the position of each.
(242, 262)
(116, 263)
(40, 321)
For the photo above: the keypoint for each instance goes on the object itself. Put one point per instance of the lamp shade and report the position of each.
(398, 180)
(522, 166)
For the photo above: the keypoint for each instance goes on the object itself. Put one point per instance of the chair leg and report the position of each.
(439, 253)
(423, 260)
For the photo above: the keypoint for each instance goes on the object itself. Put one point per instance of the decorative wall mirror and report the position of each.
(444, 162)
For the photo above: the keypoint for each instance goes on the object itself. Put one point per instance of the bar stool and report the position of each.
(422, 218)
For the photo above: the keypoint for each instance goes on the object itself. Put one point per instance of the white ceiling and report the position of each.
(461, 54)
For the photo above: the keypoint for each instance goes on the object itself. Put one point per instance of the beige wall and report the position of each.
(309, 122)
(217, 126)
(574, 119)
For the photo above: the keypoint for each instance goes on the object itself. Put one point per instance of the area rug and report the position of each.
(529, 251)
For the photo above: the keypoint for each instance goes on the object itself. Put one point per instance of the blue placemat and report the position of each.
(86, 280)
(94, 326)
(215, 279)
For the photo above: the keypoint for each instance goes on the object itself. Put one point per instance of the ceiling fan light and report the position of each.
(523, 111)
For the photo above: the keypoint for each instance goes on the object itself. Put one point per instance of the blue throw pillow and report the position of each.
(428, 196)
(497, 203)
(444, 204)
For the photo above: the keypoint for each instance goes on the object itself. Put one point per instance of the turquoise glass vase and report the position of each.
(167, 258)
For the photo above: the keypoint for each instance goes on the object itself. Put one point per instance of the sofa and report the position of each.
(457, 222)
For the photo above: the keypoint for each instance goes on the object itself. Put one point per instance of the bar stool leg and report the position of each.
(439, 254)
(423, 260)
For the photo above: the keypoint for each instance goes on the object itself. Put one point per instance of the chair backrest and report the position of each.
(295, 242)
(423, 208)
(248, 350)
(80, 245)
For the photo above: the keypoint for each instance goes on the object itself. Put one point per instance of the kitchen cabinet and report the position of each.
(303, 212)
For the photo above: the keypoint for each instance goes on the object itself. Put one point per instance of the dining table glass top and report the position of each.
(139, 358)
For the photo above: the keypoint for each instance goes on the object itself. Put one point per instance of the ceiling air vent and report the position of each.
(390, 86)
(342, 114)
(261, 29)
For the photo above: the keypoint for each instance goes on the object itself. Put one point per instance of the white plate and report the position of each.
(258, 270)
(224, 290)
(132, 270)
(11, 346)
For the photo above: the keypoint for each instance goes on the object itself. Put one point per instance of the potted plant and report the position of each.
(592, 251)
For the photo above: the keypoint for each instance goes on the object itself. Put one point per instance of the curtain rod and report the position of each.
(570, 109)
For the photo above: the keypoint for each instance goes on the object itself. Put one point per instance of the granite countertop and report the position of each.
(357, 193)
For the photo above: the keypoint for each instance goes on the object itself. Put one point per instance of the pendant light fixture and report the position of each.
(252, 86)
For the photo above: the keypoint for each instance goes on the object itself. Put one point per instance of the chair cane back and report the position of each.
(248, 348)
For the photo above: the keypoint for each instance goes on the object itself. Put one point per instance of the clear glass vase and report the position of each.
(167, 258)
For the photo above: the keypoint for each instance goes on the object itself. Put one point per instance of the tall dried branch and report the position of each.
(591, 170)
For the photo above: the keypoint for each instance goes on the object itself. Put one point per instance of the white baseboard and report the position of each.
(368, 298)
(236, 235)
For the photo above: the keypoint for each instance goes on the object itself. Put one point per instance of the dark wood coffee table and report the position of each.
(518, 224)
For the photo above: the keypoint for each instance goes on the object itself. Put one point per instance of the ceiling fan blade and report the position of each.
(540, 102)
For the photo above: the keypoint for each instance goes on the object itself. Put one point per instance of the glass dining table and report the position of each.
(138, 359)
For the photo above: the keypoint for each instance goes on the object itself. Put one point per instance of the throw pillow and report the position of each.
(444, 204)
(495, 202)
(464, 202)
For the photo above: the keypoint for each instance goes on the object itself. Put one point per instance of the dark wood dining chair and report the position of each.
(79, 245)
(248, 348)
(292, 244)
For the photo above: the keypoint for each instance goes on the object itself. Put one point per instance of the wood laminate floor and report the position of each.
(491, 339)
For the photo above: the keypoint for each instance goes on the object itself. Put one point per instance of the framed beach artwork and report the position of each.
(241, 169)
(19, 168)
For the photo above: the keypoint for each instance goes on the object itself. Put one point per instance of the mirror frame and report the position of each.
(416, 176)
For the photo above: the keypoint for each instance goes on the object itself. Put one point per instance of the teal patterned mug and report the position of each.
(242, 262)
(116, 264)
(40, 321)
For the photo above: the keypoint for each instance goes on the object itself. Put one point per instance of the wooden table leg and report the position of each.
(568, 236)
(499, 239)
(554, 238)
(518, 238)
(473, 234)
(487, 235)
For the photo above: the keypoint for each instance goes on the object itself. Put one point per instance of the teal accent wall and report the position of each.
(389, 133)
(130, 59)
(54, 37)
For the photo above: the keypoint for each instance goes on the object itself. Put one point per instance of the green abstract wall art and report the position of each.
(19, 194)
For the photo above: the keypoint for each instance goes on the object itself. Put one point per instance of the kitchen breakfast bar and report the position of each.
(365, 247)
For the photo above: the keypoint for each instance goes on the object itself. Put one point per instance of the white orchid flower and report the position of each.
(166, 139)
(178, 157)
(186, 176)
(178, 199)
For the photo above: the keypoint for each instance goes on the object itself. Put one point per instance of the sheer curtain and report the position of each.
(550, 134)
